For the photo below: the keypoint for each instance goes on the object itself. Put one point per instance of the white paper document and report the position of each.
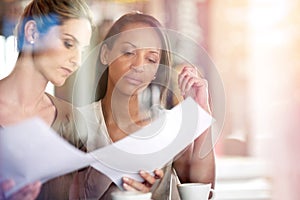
(153, 146)
(31, 151)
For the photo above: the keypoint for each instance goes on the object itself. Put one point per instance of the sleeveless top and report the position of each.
(69, 125)
(95, 185)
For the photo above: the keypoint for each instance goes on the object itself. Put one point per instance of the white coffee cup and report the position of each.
(195, 191)
(130, 195)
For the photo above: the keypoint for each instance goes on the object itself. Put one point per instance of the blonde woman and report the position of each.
(51, 36)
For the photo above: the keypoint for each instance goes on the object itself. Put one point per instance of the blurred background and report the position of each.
(255, 46)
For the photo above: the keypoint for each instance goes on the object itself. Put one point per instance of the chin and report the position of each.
(58, 84)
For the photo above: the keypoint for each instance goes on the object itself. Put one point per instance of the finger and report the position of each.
(185, 76)
(184, 79)
(36, 188)
(25, 195)
(128, 187)
(196, 82)
(159, 173)
(21, 194)
(180, 78)
(130, 184)
(191, 82)
(29, 192)
(182, 74)
(6, 185)
(147, 177)
(191, 70)
(187, 85)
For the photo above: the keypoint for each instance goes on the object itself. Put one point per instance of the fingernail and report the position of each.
(142, 172)
(125, 179)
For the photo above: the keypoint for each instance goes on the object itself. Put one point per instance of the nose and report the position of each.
(76, 58)
(138, 63)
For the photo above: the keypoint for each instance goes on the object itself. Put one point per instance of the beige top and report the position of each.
(66, 123)
(96, 185)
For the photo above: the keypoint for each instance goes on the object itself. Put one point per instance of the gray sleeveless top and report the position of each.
(69, 125)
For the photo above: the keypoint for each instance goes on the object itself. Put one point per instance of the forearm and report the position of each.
(197, 163)
(202, 164)
(197, 170)
(182, 164)
(202, 170)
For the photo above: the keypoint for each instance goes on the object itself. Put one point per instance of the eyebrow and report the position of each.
(76, 41)
(152, 51)
(67, 34)
(129, 44)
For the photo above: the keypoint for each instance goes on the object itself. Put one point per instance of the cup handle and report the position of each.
(212, 194)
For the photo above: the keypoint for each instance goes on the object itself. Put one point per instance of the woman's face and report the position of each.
(134, 58)
(57, 54)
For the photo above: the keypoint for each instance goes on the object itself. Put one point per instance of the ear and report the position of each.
(31, 32)
(104, 54)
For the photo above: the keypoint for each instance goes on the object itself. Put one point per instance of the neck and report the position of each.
(123, 111)
(121, 107)
(26, 84)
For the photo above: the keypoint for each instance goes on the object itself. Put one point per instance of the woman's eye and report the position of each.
(68, 44)
(154, 61)
(128, 53)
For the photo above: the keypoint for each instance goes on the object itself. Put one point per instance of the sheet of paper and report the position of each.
(31, 151)
(155, 145)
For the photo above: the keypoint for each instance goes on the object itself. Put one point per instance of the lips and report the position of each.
(67, 71)
(133, 80)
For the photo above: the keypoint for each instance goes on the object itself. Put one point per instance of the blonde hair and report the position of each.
(49, 13)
